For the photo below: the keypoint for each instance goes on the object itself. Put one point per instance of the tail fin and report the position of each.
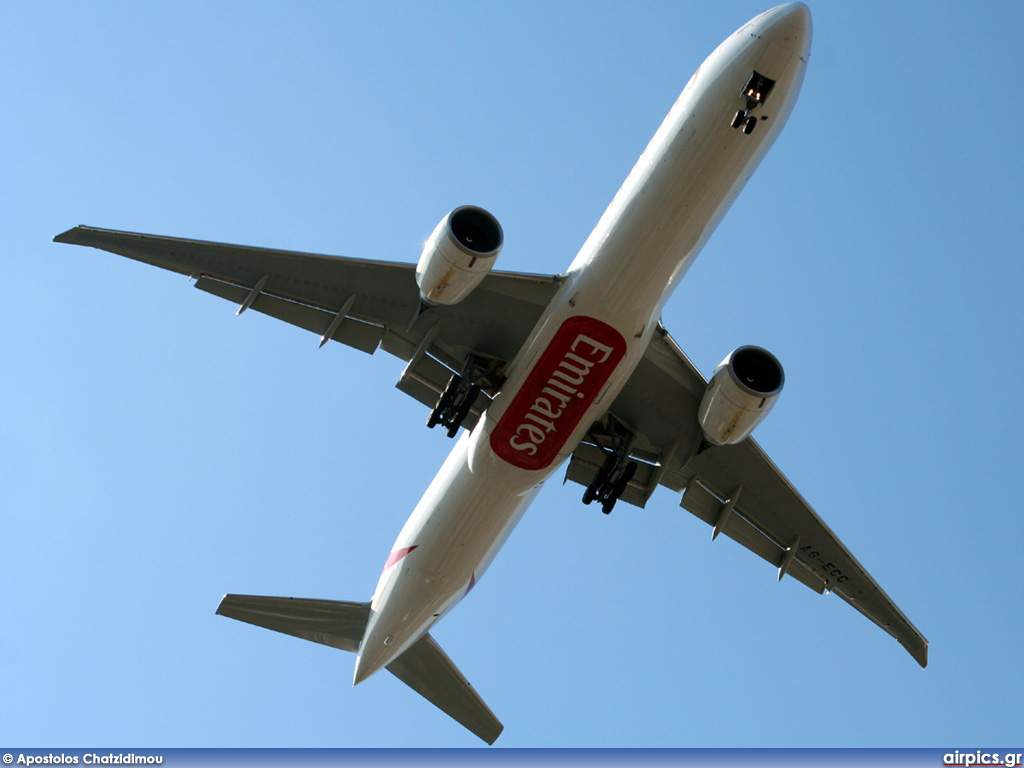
(424, 667)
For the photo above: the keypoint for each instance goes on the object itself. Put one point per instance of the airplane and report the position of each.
(537, 371)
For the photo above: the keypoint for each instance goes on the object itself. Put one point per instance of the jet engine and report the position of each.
(742, 390)
(459, 253)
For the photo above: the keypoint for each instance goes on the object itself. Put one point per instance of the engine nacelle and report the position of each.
(742, 390)
(458, 255)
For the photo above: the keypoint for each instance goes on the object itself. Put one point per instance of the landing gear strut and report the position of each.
(616, 471)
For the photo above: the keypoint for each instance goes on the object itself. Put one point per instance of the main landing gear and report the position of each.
(616, 471)
(756, 93)
(454, 403)
(461, 392)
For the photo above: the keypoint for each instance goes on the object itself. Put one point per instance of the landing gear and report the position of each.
(454, 403)
(609, 483)
(616, 471)
(756, 93)
(745, 119)
(462, 390)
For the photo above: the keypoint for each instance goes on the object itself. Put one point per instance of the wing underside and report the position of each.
(735, 489)
(367, 305)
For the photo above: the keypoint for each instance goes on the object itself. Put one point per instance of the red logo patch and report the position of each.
(561, 387)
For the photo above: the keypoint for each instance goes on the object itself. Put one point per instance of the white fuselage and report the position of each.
(592, 335)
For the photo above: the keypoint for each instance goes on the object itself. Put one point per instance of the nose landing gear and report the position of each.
(755, 92)
(745, 119)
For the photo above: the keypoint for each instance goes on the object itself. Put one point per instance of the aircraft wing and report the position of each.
(370, 304)
(363, 304)
(736, 489)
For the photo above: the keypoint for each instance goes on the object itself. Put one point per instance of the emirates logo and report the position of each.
(561, 387)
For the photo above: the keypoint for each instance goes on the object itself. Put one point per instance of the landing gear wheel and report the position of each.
(750, 125)
(606, 491)
(737, 121)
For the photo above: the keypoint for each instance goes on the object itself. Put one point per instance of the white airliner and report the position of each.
(540, 369)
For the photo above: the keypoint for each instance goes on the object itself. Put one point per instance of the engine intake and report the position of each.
(458, 255)
(740, 394)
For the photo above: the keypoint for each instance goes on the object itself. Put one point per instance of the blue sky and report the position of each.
(156, 452)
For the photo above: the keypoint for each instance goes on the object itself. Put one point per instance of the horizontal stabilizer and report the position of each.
(424, 667)
(328, 622)
(427, 670)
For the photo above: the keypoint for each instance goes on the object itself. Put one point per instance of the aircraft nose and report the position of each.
(790, 27)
